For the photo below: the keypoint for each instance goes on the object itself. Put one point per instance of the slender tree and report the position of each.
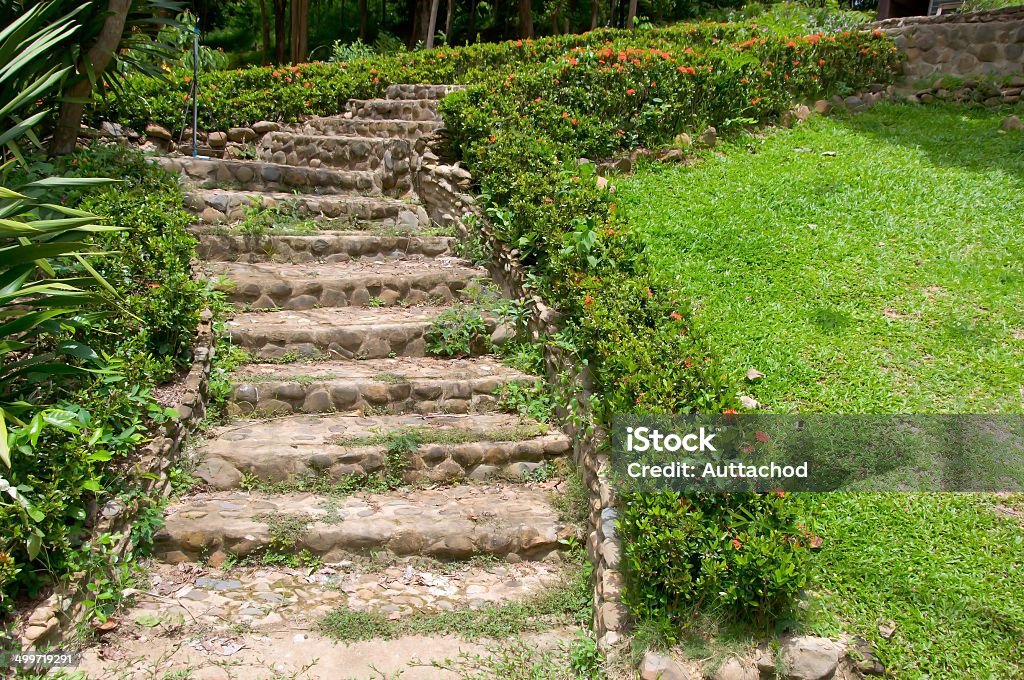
(264, 33)
(448, 21)
(432, 27)
(280, 40)
(299, 31)
(363, 20)
(631, 15)
(594, 11)
(525, 19)
(97, 57)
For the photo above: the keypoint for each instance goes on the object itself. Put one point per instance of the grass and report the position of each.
(945, 568)
(883, 279)
(872, 264)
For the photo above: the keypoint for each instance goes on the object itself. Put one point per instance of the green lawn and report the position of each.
(870, 264)
(873, 264)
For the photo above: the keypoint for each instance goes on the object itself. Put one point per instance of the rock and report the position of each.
(809, 658)
(673, 156)
(683, 141)
(154, 131)
(241, 134)
(1011, 124)
(212, 216)
(219, 474)
(749, 402)
(217, 140)
(112, 129)
(709, 137)
(658, 667)
(854, 103)
(734, 669)
(822, 106)
(262, 127)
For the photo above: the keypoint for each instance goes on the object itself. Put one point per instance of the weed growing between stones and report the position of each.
(572, 504)
(531, 400)
(284, 528)
(565, 605)
(521, 661)
(458, 332)
(424, 435)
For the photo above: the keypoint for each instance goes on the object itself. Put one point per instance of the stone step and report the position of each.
(339, 333)
(272, 285)
(262, 599)
(420, 91)
(391, 109)
(347, 126)
(510, 521)
(218, 173)
(399, 385)
(331, 151)
(323, 449)
(217, 206)
(328, 246)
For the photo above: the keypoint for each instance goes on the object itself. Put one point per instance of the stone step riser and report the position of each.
(366, 395)
(390, 156)
(341, 126)
(326, 248)
(436, 463)
(394, 109)
(356, 291)
(362, 342)
(227, 208)
(260, 176)
(442, 524)
(420, 91)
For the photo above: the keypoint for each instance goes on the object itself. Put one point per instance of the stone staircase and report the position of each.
(355, 470)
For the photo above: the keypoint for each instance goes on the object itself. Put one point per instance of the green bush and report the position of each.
(743, 553)
(71, 458)
(522, 136)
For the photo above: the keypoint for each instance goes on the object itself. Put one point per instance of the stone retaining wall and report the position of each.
(57, 617)
(444, 191)
(388, 157)
(978, 43)
(393, 109)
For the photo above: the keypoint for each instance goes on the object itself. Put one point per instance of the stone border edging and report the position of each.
(1005, 14)
(55, 618)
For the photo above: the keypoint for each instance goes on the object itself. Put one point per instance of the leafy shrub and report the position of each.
(741, 552)
(521, 135)
(458, 332)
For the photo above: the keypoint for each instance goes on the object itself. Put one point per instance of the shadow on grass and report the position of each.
(950, 135)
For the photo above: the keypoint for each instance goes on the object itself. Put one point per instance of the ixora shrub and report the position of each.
(523, 136)
(743, 553)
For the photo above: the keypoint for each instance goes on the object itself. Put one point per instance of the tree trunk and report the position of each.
(593, 13)
(279, 34)
(448, 21)
(433, 23)
(472, 20)
(420, 22)
(363, 20)
(264, 33)
(525, 19)
(631, 15)
(299, 31)
(99, 55)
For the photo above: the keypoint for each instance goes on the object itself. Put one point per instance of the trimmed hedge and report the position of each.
(522, 136)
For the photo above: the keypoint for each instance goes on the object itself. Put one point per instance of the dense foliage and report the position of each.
(71, 455)
(532, 110)
(523, 136)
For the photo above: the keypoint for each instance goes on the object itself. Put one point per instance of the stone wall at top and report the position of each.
(972, 44)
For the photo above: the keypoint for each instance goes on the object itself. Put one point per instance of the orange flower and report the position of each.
(589, 300)
(736, 543)
(675, 316)
(631, 92)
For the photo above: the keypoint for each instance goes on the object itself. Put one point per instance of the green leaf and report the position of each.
(5, 450)
(34, 544)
